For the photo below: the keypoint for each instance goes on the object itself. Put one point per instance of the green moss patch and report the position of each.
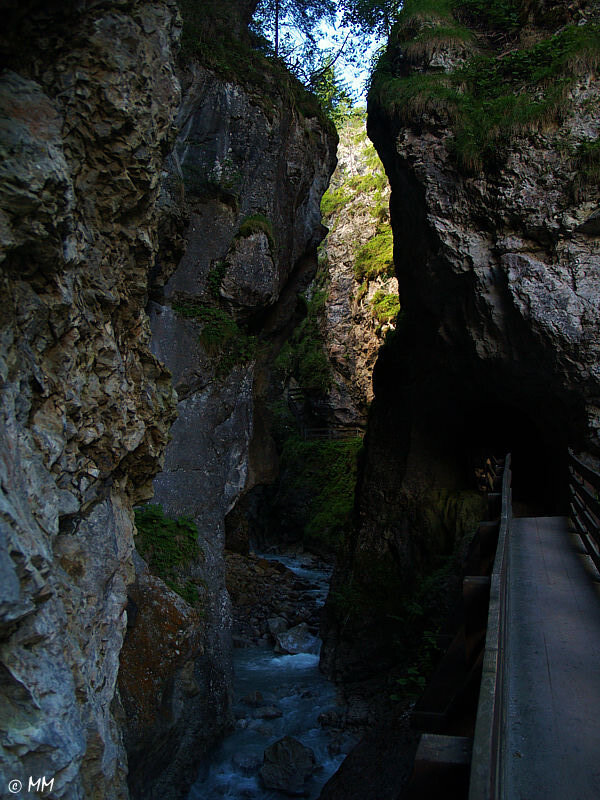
(168, 546)
(334, 199)
(376, 257)
(386, 307)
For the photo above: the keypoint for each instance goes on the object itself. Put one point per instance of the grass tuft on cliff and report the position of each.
(168, 546)
(220, 334)
(257, 223)
(491, 97)
(376, 257)
(386, 306)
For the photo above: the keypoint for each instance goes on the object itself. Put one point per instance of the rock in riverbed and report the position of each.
(297, 640)
(287, 766)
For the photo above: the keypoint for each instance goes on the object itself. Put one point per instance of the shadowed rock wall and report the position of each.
(498, 272)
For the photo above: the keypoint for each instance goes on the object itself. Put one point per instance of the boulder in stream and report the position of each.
(297, 640)
(287, 766)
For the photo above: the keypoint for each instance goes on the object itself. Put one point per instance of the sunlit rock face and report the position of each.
(354, 327)
(87, 104)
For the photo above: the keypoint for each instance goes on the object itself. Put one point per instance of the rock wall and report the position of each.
(240, 217)
(497, 253)
(87, 100)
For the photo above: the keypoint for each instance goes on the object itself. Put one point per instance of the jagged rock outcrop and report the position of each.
(87, 103)
(493, 171)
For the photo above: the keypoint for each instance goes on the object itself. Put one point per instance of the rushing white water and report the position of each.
(294, 685)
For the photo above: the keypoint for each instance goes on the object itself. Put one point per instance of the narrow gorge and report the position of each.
(250, 374)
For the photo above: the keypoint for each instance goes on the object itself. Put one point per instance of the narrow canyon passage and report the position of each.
(251, 374)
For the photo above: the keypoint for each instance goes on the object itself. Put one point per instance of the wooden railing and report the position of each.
(486, 761)
(584, 487)
(296, 403)
(335, 432)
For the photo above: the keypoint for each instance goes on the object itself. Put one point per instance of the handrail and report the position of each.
(486, 764)
(584, 487)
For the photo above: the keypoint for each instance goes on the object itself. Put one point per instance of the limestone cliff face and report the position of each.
(240, 213)
(361, 302)
(497, 252)
(87, 106)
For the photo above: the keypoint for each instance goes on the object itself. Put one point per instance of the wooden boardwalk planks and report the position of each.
(552, 740)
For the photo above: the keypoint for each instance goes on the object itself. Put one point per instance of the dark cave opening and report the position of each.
(538, 456)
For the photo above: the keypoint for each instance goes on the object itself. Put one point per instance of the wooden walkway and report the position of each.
(551, 746)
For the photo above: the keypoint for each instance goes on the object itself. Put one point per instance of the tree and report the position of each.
(301, 16)
(371, 16)
(332, 93)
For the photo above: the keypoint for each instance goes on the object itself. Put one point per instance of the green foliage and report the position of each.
(215, 277)
(326, 471)
(370, 15)
(334, 199)
(276, 18)
(493, 98)
(220, 335)
(413, 681)
(385, 306)
(257, 223)
(332, 94)
(312, 366)
(500, 14)
(168, 545)
(587, 161)
(376, 257)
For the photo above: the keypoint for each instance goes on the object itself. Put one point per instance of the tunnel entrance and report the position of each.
(539, 461)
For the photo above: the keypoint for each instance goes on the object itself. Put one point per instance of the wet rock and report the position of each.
(260, 592)
(330, 719)
(261, 727)
(268, 712)
(299, 639)
(287, 766)
(158, 683)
